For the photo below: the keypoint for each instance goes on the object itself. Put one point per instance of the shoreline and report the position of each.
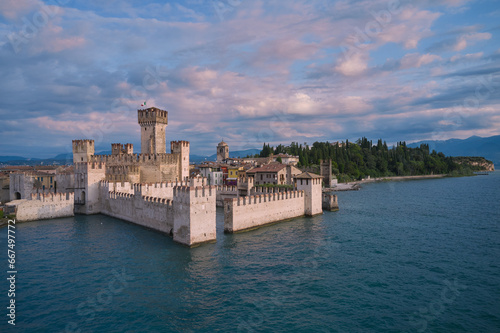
(356, 185)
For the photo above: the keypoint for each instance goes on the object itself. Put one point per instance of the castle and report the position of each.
(152, 165)
(153, 189)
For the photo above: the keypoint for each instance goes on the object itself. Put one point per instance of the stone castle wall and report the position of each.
(143, 168)
(229, 192)
(254, 211)
(330, 202)
(225, 192)
(185, 212)
(45, 206)
(146, 211)
(22, 184)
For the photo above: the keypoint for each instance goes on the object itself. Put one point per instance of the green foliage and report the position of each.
(279, 160)
(266, 151)
(353, 161)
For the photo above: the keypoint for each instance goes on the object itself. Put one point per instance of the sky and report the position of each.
(246, 71)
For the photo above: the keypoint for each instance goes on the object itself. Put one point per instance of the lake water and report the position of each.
(398, 257)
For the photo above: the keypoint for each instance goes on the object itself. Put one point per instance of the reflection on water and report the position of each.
(372, 266)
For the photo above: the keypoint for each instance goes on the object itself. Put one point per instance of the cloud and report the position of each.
(13, 9)
(467, 57)
(264, 72)
(412, 26)
(460, 43)
(352, 65)
(465, 40)
(415, 60)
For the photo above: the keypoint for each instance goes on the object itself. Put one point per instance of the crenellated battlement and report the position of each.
(256, 210)
(158, 158)
(147, 202)
(53, 197)
(110, 186)
(136, 159)
(197, 181)
(85, 145)
(82, 150)
(227, 188)
(204, 191)
(152, 115)
(263, 198)
(330, 202)
(118, 148)
(85, 167)
(186, 194)
(178, 144)
(41, 206)
(139, 187)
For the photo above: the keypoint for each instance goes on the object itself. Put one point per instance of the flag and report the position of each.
(143, 104)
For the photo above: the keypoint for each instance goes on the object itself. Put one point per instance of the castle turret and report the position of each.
(310, 183)
(182, 148)
(326, 172)
(222, 151)
(87, 187)
(118, 148)
(82, 150)
(153, 123)
(194, 214)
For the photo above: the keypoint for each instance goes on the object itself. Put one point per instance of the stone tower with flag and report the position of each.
(152, 165)
(153, 123)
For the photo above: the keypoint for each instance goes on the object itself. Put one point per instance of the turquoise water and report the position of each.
(398, 257)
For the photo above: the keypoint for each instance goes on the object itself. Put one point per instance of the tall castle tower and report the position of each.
(181, 148)
(222, 151)
(153, 123)
(326, 172)
(82, 150)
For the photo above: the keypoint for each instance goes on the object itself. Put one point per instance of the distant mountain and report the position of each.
(67, 158)
(474, 146)
(12, 158)
(64, 156)
(232, 154)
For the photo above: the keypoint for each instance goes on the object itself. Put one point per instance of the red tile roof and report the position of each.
(268, 168)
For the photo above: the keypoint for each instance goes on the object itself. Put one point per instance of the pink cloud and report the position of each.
(465, 40)
(13, 9)
(352, 65)
(412, 26)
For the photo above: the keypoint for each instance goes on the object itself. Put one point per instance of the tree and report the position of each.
(37, 184)
(352, 161)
